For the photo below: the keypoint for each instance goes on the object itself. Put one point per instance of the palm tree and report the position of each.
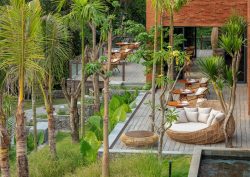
(57, 51)
(21, 33)
(82, 11)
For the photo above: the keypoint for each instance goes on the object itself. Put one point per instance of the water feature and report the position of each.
(221, 166)
(220, 162)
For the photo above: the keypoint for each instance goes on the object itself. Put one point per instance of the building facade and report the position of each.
(209, 13)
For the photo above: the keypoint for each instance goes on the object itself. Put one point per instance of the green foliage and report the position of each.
(9, 104)
(89, 146)
(215, 69)
(138, 166)
(211, 67)
(57, 46)
(62, 111)
(171, 116)
(130, 29)
(30, 141)
(95, 125)
(119, 107)
(232, 37)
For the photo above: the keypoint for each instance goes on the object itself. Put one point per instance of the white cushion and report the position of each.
(204, 80)
(204, 110)
(182, 118)
(191, 109)
(219, 117)
(192, 116)
(200, 90)
(188, 127)
(203, 118)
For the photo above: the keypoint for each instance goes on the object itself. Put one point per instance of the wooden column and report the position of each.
(248, 54)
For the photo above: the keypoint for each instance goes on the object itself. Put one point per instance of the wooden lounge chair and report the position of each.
(209, 134)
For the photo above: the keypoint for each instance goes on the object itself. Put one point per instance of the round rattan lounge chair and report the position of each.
(210, 135)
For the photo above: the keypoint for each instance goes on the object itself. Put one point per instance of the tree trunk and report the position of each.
(74, 120)
(105, 160)
(21, 134)
(4, 143)
(83, 88)
(95, 76)
(154, 68)
(105, 166)
(34, 114)
(214, 39)
(51, 130)
(171, 43)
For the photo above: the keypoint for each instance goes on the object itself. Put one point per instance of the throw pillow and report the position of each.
(192, 116)
(210, 119)
(191, 109)
(182, 118)
(219, 117)
(204, 110)
(203, 117)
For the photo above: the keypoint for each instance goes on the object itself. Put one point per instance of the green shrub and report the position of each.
(68, 158)
(137, 166)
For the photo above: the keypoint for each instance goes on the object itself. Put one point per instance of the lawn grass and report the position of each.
(68, 159)
(138, 166)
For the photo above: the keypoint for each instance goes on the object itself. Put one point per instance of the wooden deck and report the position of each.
(241, 139)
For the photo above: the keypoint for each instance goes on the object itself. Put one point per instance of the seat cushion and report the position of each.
(200, 91)
(188, 127)
(182, 118)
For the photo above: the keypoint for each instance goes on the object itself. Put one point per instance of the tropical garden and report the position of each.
(38, 39)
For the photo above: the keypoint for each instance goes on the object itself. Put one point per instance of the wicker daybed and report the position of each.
(210, 135)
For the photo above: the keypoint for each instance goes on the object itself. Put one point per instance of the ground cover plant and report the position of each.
(138, 166)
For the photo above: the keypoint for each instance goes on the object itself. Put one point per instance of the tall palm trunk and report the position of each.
(21, 146)
(95, 76)
(83, 87)
(105, 162)
(34, 114)
(4, 143)
(171, 42)
(154, 67)
(51, 118)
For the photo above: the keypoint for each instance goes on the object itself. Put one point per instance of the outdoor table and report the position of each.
(178, 104)
(188, 82)
(122, 43)
(183, 92)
